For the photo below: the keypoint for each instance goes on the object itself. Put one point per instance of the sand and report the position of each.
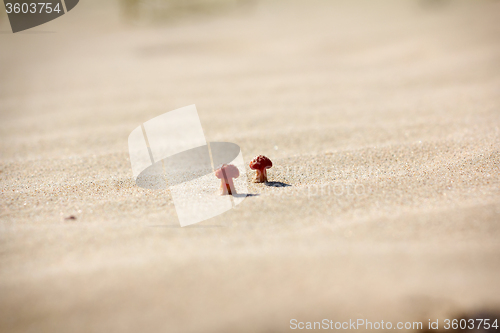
(382, 117)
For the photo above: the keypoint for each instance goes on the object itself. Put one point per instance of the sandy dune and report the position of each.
(383, 117)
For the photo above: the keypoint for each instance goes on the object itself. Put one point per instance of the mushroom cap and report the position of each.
(230, 170)
(260, 162)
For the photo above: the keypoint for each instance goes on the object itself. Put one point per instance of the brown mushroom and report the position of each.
(226, 173)
(260, 164)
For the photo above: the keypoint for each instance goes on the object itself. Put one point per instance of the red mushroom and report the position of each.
(260, 164)
(226, 173)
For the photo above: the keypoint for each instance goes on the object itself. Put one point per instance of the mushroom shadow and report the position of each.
(243, 195)
(277, 184)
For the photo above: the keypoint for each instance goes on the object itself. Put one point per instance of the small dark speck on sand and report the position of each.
(71, 217)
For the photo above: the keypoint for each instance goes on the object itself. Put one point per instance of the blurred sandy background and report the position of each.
(382, 116)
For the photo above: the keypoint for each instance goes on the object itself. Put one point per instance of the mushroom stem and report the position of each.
(227, 185)
(260, 176)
